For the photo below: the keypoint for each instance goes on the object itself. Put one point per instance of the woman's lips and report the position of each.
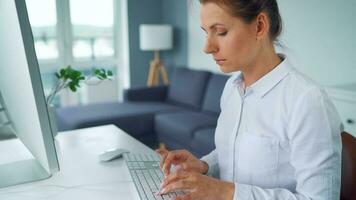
(220, 61)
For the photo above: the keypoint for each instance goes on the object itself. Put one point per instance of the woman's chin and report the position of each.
(226, 69)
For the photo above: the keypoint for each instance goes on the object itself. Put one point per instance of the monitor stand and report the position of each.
(17, 165)
(21, 172)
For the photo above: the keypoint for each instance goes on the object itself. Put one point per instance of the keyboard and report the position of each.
(147, 176)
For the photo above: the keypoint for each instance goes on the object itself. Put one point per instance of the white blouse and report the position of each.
(278, 139)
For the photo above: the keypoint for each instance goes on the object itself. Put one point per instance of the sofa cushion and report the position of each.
(180, 126)
(133, 117)
(213, 92)
(203, 141)
(188, 87)
(154, 93)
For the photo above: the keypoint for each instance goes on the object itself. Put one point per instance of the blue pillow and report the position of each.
(188, 87)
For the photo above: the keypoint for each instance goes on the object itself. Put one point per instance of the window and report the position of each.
(80, 33)
(92, 28)
(44, 28)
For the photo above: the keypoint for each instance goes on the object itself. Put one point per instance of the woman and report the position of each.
(278, 134)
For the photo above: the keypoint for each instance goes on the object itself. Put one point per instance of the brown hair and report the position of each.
(248, 10)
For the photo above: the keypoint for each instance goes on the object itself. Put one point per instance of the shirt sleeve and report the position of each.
(315, 153)
(213, 163)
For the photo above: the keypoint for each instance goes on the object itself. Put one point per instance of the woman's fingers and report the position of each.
(167, 162)
(177, 158)
(178, 182)
(162, 151)
(197, 186)
(187, 167)
(163, 154)
(174, 177)
(172, 157)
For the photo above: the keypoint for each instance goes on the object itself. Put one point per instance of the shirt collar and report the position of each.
(270, 80)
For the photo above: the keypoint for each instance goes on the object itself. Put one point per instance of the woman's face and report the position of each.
(231, 41)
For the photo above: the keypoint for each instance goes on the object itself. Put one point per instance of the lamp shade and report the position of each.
(156, 37)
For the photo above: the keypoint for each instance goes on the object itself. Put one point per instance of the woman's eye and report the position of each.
(222, 33)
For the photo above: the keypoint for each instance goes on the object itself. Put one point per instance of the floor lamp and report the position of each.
(156, 38)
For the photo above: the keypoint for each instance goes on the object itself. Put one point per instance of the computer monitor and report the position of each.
(23, 97)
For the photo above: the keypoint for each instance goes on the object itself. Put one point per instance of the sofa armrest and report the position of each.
(157, 93)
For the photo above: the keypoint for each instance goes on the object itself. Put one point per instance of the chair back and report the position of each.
(348, 172)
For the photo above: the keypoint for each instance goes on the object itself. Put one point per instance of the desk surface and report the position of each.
(81, 175)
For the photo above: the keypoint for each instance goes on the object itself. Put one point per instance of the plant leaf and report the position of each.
(62, 72)
(100, 77)
(76, 73)
(72, 86)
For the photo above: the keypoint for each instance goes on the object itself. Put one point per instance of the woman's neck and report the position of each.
(265, 62)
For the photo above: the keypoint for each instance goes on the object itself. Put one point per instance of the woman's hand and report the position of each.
(197, 187)
(183, 160)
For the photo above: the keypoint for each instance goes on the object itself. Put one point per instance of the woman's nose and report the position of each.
(209, 47)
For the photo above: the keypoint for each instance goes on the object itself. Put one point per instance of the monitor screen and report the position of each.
(22, 97)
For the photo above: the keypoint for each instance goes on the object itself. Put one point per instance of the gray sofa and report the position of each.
(182, 115)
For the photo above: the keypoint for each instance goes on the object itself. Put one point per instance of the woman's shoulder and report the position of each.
(303, 91)
(299, 83)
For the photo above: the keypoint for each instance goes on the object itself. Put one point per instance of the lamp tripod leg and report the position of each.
(151, 74)
(155, 75)
(157, 69)
(164, 74)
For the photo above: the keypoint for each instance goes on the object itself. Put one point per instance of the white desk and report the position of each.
(81, 175)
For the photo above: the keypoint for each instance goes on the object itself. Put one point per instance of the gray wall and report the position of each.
(156, 12)
(175, 13)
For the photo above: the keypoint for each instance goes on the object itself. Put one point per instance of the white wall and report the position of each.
(317, 37)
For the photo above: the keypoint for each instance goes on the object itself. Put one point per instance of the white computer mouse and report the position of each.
(112, 154)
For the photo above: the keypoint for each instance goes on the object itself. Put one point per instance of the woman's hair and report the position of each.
(248, 10)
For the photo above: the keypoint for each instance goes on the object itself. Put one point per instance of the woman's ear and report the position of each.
(262, 26)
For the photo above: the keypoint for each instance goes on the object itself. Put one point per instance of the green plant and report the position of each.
(69, 77)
